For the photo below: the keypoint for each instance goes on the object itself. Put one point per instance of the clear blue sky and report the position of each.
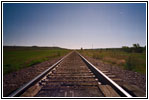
(74, 25)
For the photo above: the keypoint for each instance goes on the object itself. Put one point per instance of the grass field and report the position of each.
(130, 61)
(15, 58)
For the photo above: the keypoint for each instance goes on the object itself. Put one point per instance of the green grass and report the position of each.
(15, 58)
(131, 61)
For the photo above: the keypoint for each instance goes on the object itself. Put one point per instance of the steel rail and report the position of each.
(23, 88)
(104, 78)
(100, 75)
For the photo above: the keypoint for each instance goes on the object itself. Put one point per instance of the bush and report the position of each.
(126, 49)
(131, 63)
(136, 48)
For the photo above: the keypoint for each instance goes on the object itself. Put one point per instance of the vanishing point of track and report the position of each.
(72, 76)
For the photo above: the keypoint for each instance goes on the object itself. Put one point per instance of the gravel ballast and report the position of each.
(16, 79)
(133, 78)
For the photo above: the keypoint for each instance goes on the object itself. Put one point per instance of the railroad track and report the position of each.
(72, 76)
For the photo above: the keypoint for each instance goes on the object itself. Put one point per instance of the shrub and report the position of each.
(126, 49)
(136, 48)
(131, 62)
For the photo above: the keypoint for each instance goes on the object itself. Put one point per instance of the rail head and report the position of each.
(106, 77)
(20, 90)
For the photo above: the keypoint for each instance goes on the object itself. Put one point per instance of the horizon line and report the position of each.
(66, 47)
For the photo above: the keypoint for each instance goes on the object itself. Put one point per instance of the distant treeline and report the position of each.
(32, 47)
(136, 48)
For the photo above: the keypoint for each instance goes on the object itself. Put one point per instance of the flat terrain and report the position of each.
(16, 58)
(134, 76)
(21, 64)
(39, 59)
(130, 61)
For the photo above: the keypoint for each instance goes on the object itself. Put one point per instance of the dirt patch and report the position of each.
(121, 61)
(114, 60)
(16, 79)
(127, 76)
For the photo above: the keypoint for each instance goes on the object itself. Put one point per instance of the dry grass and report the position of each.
(130, 61)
